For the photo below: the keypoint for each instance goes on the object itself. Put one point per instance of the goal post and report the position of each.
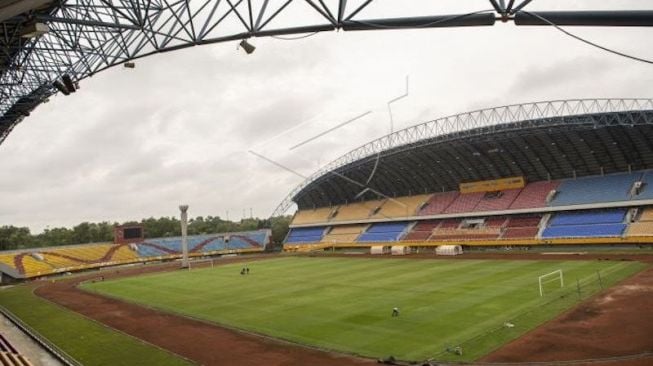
(551, 277)
(196, 263)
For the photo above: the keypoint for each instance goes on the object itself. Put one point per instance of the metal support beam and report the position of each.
(634, 18)
(89, 23)
(440, 21)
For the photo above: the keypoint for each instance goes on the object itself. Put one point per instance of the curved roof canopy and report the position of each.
(43, 42)
(540, 141)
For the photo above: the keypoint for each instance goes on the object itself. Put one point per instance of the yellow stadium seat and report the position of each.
(316, 216)
(401, 206)
(344, 233)
(357, 211)
(642, 228)
(647, 214)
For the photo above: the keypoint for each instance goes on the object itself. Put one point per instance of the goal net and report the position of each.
(201, 263)
(555, 276)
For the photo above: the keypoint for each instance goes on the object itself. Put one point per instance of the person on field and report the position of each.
(242, 271)
(395, 312)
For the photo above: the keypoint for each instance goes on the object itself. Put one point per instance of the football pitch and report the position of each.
(449, 309)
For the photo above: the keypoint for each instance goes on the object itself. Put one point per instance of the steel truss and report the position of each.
(488, 121)
(88, 36)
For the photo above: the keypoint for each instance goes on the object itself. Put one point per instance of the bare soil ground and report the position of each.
(615, 323)
(201, 342)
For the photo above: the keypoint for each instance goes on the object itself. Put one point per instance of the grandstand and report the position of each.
(564, 172)
(51, 260)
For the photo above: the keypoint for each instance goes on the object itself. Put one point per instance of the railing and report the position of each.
(53, 349)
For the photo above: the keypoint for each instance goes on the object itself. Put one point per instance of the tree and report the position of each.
(280, 226)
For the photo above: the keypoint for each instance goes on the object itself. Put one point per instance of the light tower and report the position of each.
(184, 234)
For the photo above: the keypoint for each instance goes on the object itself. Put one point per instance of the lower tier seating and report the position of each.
(344, 233)
(643, 226)
(305, 235)
(584, 231)
(386, 231)
(44, 261)
(604, 223)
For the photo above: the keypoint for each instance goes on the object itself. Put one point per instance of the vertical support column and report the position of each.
(184, 235)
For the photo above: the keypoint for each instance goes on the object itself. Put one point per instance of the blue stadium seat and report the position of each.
(208, 243)
(386, 231)
(588, 217)
(595, 189)
(584, 231)
(305, 235)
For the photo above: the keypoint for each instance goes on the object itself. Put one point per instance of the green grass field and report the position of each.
(345, 304)
(86, 341)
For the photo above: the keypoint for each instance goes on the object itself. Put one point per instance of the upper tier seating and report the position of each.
(534, 195)
(305, 235)
(438, 203)
(309, 216)
(607, 223)
(401, 206)
(385, 231)
(356, 211)
(596, 189)
(465, 202)
(344, 233)
(646, 192)
(497, 201)
(588, 217)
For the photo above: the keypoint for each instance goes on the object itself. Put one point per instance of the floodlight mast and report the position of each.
(184, 235)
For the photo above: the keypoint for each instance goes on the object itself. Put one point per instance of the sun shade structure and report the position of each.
(538, 141)
(42, 40)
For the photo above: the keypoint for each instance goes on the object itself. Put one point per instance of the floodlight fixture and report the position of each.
(34, 30)
(62, 88)
(68, 82)
(129, 65)
(248, 47)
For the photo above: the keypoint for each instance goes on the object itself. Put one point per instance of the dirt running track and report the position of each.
(203, 343)
(618, 322)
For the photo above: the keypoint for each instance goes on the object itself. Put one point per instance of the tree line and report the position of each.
(13, 237)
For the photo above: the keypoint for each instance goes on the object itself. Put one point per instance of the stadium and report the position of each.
(517, 234)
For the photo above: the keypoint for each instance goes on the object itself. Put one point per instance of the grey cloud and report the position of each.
(136, 143)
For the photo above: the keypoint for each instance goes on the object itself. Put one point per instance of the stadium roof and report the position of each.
(79, 38)
(540, 141)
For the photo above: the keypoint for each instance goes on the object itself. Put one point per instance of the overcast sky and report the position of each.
(176, 129)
